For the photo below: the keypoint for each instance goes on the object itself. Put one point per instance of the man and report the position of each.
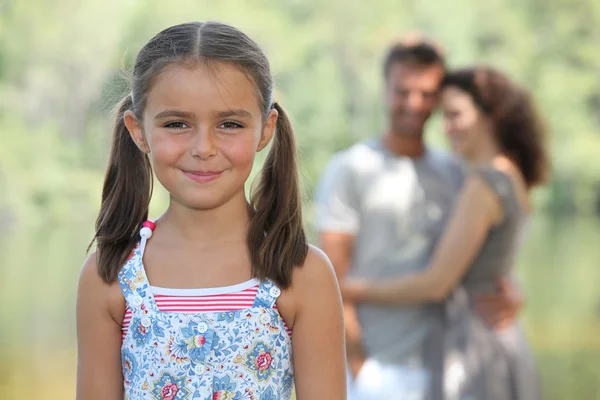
(382, 204)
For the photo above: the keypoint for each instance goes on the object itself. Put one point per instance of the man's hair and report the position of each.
(414, 50)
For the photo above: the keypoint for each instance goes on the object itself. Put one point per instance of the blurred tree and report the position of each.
(63, 66)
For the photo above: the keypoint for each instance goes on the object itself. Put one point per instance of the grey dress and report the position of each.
(468, 360)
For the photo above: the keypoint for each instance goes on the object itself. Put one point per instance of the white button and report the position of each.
(199, 369)
(146, 232)
(275, 291)
(202, 327)
(137, 300)
(265, 318)
(146, 322)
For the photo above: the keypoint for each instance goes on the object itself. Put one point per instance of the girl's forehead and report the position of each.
(203, 87)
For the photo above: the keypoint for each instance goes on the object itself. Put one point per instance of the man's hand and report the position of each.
(354, 350)
(500, 310)
(339, 248)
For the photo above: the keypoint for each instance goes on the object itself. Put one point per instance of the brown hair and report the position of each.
(414, 49)
(276, 238)
(518, 128)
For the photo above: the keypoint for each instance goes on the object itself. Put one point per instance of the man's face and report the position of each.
(411, 94)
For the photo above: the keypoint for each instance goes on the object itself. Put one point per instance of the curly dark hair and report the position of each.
(517, 126)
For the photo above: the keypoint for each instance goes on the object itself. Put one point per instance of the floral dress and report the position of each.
(241, 355)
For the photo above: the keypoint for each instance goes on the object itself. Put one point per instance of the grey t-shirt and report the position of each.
(397, 208)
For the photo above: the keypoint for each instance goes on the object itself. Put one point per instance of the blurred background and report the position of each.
(61, 72)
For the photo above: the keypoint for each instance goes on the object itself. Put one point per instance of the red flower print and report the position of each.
(263, 361)
(169, 391)
(220, 395)
(199, 340)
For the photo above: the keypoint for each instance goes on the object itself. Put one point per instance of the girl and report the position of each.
(161, 312)
(493, 125)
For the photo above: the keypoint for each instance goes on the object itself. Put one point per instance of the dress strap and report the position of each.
(132, 277)
(146, 233)
(502, 186)
(267, 294)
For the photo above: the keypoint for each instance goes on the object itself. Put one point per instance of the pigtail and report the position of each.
(125, 199)
(276, 238)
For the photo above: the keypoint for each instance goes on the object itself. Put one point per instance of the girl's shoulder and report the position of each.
(317, 270)
(313, 283)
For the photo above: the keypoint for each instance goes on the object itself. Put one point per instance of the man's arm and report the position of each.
(339, 248)
(338, 221)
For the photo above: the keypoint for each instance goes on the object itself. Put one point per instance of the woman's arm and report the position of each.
(99, 373)
(318, 333)
(477, 210)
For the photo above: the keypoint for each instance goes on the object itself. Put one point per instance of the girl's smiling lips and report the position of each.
(202, 176)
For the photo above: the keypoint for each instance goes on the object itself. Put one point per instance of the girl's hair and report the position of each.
(276, 238)
(516, 124)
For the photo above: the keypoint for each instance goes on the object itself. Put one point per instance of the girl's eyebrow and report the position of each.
(221, 114)
(173, 113)
(234, 113)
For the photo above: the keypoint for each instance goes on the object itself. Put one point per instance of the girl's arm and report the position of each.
(477, 210)
(99, 373)
(318, 332)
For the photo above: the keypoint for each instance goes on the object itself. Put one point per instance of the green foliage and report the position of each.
(40, 177)
(63, 67)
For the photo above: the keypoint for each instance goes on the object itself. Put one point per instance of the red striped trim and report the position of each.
(199, 304)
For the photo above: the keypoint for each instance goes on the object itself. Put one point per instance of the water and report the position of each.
(39, 269)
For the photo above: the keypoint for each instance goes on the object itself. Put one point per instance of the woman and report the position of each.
(493, 125)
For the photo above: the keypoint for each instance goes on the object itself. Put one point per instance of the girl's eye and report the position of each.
(176, 125)
(230, 125)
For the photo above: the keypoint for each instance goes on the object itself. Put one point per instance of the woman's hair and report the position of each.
(276, 238)
(516, 124)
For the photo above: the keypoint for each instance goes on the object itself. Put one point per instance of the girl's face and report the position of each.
(463, 121)
(202, 127)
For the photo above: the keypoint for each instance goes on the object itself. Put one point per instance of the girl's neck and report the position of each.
(226, 222)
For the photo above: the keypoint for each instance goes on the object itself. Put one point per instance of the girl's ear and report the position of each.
(136, 131)
(268, 130)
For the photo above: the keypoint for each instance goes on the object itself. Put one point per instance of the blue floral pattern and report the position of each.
(228, 316)
(129, 365)
(225, 389)
(268, 395)
(141, 334)
(170, 388)
(237, 355)
(260, 361)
